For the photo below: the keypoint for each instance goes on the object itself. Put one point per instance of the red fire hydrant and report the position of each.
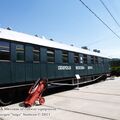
(35, 93)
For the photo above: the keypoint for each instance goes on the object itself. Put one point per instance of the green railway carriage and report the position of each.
(25, 58)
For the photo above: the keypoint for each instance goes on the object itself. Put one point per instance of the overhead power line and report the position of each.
(110, 13)
(100, 19)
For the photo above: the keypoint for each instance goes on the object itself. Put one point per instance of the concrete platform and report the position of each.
(100, 101)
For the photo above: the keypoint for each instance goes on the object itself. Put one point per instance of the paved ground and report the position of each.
(100, 101)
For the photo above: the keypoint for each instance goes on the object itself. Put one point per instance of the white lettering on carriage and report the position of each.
(79, 67)
(90, 67)
(64, 67)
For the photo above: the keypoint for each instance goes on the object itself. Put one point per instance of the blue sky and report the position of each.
(66, 21)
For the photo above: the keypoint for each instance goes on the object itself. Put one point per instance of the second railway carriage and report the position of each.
(25, 58)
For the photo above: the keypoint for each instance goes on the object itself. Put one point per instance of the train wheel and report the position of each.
(42, 101)
(6, 97)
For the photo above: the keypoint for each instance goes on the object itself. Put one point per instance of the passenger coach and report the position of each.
(25, 58)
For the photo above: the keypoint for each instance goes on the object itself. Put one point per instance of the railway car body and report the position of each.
(25, 58)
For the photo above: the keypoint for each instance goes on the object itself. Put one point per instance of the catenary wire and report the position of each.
(110, 13)
(100, 19)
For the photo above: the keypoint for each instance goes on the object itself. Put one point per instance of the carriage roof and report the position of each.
(42, 41)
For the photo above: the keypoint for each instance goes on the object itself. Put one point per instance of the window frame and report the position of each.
(92, 59)
(50, 55)
(65, 57)
(96, 59)
(76, 58)
(85, 59)
(20, 50)
(3, 50)
(36, 51)
(102, 60)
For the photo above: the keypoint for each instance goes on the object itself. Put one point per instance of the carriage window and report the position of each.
(99, 60)
(92, 59)
(76, 58)
(65, 57)
(50, 55)
(4, 50)
(20, 56)
(36, 53)
(81, 59)
(85, 59)
(96, 59)
(102, 60)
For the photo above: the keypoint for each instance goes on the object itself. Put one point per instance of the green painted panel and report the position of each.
(29, 72)
(84, 71)
(58, 56)
(43, 55)
(58, 73)
(36, 71)
(51, 70)
(5, 76)
(71, 57)
(72, 72)
(28, 53)
(100, 68)
(13, 72)
(106, 68)
(69, 73)
(43, 70)
(81, 69)
(95, 69)
(20, 72)
(90, 69)
(13, 52)
(66, 73)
